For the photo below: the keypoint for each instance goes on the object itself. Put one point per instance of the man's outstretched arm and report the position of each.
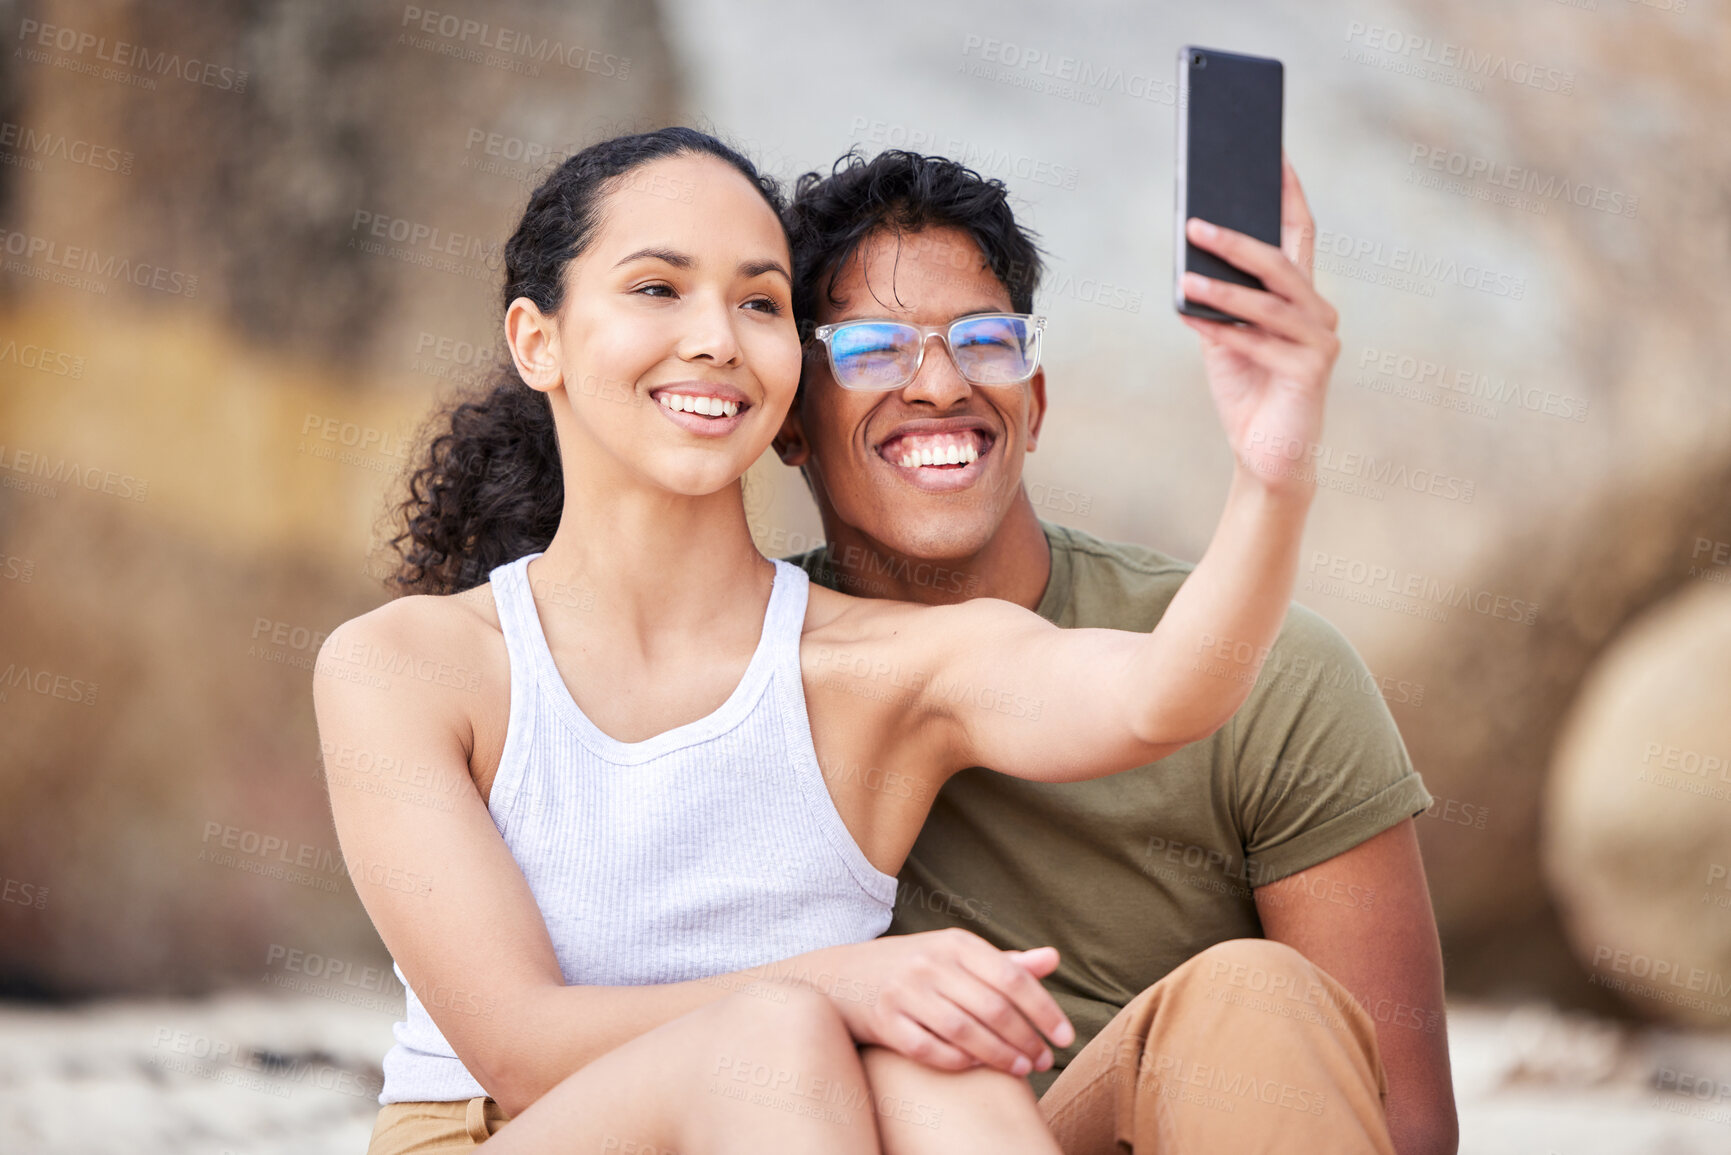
(1365, 917)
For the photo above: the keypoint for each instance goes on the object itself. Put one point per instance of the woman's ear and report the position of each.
(533, 338)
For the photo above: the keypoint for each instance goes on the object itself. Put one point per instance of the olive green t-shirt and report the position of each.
(1130, 875)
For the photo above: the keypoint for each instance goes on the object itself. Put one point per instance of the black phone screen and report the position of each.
(1229, 112)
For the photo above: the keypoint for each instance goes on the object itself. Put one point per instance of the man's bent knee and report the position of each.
(1256, 966)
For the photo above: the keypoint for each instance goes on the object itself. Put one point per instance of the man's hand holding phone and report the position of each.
(1269, 376)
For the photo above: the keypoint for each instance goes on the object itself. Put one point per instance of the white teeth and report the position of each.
(949, 453)
(703, 406)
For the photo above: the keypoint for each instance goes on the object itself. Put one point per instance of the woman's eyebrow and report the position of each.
(749, 269)
(673, 257)
(679, 260)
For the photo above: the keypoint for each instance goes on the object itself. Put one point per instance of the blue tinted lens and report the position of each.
(873, 354)
(995, 350)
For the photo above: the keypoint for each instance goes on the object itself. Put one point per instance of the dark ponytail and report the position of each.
(490, 488)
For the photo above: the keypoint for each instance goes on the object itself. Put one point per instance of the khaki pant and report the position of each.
(1247, 1047)
(434, 1128)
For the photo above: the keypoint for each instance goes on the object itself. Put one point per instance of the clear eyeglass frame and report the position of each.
(1036, 322)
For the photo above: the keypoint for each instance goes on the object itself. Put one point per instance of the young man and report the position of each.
(1248, 949)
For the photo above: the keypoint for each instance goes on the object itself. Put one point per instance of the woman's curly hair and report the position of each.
(490, 487)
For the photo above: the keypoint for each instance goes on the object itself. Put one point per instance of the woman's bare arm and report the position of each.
(1009, 690)
(457, 915)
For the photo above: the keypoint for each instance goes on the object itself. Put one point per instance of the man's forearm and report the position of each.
(1427, 1128)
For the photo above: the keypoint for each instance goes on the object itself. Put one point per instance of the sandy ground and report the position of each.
(249, 1074)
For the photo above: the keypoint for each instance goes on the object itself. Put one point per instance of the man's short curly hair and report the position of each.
(902, 192)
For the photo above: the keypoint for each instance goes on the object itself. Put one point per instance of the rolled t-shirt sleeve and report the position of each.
(1320, 764)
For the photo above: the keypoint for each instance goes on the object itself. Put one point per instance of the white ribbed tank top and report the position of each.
(705, 849)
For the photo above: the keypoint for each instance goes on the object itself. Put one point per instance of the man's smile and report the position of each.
(939, 454)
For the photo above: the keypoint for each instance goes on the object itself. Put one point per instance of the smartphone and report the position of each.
(1228, 160)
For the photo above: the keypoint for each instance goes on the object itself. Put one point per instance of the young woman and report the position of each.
(643, 916)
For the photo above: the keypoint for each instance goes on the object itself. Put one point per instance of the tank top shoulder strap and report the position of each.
(784, 620)
(516, 608)
(517, 621)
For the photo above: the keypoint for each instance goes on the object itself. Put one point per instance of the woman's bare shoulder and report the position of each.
(905, 642)
(447, 641)
(833, 617)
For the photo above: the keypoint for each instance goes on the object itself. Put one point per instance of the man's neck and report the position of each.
(1015, 565)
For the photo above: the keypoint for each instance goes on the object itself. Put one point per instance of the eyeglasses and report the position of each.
(987, 349)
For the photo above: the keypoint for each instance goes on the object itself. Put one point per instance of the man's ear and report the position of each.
(1036, 406)
(533, 338)
(790, 443)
